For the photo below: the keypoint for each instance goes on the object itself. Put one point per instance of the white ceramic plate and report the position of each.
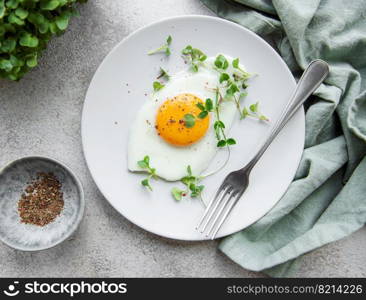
(119, 89)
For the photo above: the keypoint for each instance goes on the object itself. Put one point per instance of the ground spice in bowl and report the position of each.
(42, 200)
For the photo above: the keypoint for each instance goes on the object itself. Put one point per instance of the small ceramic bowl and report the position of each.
(27, 237)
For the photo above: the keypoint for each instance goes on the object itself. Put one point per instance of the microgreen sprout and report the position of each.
(145, 165)
(178, 193)
(164, 48)
(157, 86)
(254, 112)
(189, 120)
(194, 57)
(221, 62)
(234, 87)
(219, 126)
(192, 186)
(163, 74)
(205, 108)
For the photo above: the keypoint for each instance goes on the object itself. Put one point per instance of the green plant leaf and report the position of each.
(12, 4)
(203, 114)
(6, 65)
(209, 104)
(142, 164)
(28, 40)
(62, 21)
(8, 45)
(32, 62)
(26, 26)
(221, 143)
(230, 141)
(224, 77)
(13, 19)
(200, 106)
(221, 62)
(146, 183)
(50, 4)
(189, 120)
(177, 193)
(235, 63)
(21, 13)
(157, 86)
(254, 107)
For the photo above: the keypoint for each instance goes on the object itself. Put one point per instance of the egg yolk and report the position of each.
(170, 123)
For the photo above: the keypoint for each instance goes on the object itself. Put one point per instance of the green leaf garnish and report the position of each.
(235, 63)
(205, 109)
(189, 170)
(203, 114)
(189, 120)
(157, 86)
(253, 112)
(146, 183)
(221, 62)
(230, 141)
(164, 48)
(254, 107)
(163, 74)
(221, 143)
(145, 165)
(209, 104)
(194, 57)
(177, 193)
(192, 187)
(200, 106)
(232, 90)
(224, 77)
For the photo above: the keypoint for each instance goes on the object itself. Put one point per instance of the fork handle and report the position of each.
(310, 80)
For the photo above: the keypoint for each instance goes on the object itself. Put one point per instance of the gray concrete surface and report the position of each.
(41, 115)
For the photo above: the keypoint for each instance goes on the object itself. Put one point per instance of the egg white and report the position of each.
(170, 161)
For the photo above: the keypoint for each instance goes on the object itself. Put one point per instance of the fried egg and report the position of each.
(159, 130)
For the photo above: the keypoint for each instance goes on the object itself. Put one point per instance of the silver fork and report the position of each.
(237, 182)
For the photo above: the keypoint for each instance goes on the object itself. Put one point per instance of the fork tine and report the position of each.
(213, 211)
(212, 206)
(219, 212)
(225, 215)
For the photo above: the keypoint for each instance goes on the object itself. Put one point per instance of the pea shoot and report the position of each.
(192, 186)
(164, 48)
(240, 74)
(235, 89)
(254, 112)
(189, 120)
(163, 74)
(157, 86)
(219, 126)
(221, 62)
(205, 109)
(145, 165)
(194, 57)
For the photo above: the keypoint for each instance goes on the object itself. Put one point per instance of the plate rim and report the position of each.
(125, 40)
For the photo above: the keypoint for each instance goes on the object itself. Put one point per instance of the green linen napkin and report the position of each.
(327, 199)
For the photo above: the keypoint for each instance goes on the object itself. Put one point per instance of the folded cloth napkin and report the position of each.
(327, 199)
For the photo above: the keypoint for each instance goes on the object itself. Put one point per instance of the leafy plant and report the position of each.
(164, 48)
(163, 74)
(145, 165)
(195, 57)
(157, 86)
(26, 26)
(254, 112)
(191, 182)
